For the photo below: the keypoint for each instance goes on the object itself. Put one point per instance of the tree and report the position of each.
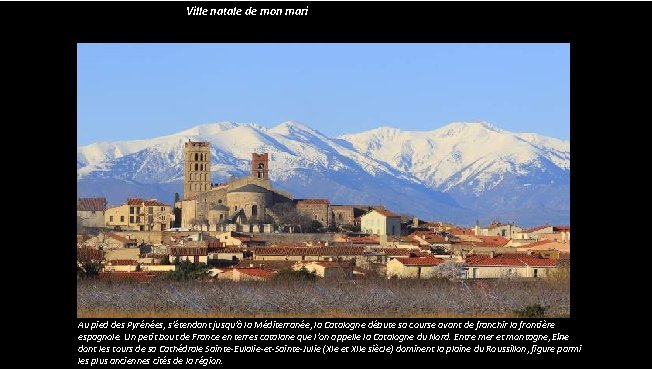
(450, 270)
(187, 270)
(88, 261)
(296, 275)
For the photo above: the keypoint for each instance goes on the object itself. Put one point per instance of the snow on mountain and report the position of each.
(476, 154)
(459, 172)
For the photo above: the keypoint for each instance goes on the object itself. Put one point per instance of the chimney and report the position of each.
(491, 254)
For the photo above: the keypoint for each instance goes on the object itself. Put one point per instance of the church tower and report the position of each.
(260, 166)
(197, 168)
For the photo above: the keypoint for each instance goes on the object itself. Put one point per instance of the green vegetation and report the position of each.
(531, 311)
(296, 275)
(187, 270)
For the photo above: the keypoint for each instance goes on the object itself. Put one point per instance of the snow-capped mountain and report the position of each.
(459, 172)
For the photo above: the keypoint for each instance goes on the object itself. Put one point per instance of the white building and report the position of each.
(381, 222)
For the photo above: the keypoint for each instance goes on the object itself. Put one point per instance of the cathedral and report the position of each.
(240, 201)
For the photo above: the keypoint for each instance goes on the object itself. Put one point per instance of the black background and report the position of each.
(39, 53)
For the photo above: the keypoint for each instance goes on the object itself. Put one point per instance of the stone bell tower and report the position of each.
(197, 168)
(260, 166)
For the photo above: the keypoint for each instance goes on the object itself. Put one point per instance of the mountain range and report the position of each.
(460, 173)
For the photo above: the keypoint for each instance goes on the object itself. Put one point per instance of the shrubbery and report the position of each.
(296, 275)
(187, 270)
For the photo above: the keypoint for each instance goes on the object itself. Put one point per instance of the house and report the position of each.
(246, 274)
(227, 255)
(545, 245)
(413, 267)
(194, 252)
(327, 269)
(121, 265)
(158, 268)
(381, 222)
(140, 215)
(90, 211)
(508, 230)
(122, 260)
(549, 232)
(508, 265)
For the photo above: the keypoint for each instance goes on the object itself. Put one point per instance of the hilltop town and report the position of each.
(247, 230)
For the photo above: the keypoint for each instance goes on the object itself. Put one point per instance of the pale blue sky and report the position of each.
(132, 91)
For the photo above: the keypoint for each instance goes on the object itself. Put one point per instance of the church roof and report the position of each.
(250, 188)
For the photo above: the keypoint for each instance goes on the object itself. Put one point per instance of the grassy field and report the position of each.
(348, 299)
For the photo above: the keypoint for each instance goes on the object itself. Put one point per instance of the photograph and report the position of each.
(323, 180)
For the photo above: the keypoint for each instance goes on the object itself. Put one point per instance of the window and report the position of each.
(196, 156)
(315, 217)
(137, 209)
(339, 216)
(536, 273)
(131, 210)
(261, 166)
(260, 174)
(254, 210)
(504, 232)
(162, 208)
(122, 218)
(219, 201)
(236, 207)
(131, 219)
(111, 219)
(221, 217)
(196, 166)
(150, 210)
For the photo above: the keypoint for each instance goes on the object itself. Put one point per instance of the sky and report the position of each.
(136, 91)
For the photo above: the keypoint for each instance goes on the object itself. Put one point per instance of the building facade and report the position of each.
(91, 211)
(381, 222)
(315, 209)
(197, 168)
(140, 215)
(238, 201)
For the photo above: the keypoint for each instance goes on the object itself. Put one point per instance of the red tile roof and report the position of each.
(538, 228)
(122, 262)
(364, 240)
(426, 261)
(459, 231)
(91, 204)
(312, 251)
(121, 238)
(400, 251)
(332, 264)
(188, 251)
(143, 202)
(495, 241)
(136, 276)
(509, 260)
(289, 244)
(561, 229)
(228, 250)
(386, 213)
(532, 244)
(312, 202)
(257, 272)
